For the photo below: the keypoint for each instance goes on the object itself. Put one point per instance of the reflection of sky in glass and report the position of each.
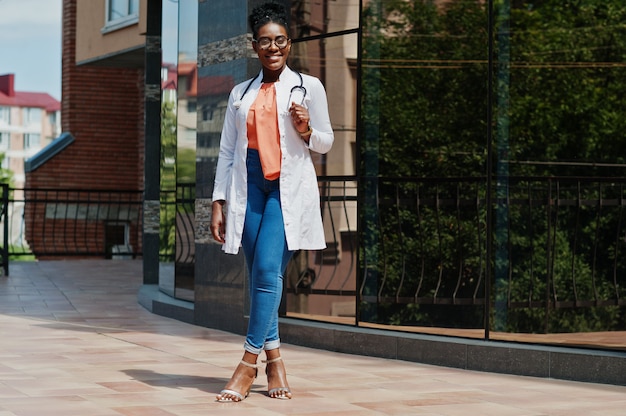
(188, 30)
(229, 21)
(180, 30)
(169, 42)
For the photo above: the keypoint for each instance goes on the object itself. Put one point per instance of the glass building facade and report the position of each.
(476, 187)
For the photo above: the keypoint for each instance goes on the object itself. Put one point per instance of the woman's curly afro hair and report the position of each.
(267, 13)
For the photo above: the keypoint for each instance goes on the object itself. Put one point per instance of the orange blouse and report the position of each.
(263, 133)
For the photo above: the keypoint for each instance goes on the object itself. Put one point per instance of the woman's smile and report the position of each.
(273, 59)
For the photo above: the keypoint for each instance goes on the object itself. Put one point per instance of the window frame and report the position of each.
(129, 19)
(5, 114)
(5, 141)
(33, 116)
(32, 141)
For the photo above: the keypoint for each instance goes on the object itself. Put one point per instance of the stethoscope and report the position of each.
(300, 88)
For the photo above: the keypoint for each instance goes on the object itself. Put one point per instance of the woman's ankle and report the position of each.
(272, 355)
(249, 357)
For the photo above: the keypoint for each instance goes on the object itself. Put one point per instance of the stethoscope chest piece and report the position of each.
(296, 95)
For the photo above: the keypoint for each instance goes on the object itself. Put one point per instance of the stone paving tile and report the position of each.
(74, 342)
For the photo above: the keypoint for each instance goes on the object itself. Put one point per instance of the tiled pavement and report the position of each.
(74, 341)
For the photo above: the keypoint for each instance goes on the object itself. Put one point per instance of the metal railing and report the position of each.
(4, 219)
(52, 223)
(558, 254)
(558, 246)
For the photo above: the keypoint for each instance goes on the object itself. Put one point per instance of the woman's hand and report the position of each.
(301, 119)
(218, 221)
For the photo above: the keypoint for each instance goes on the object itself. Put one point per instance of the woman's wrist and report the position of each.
(308, 131)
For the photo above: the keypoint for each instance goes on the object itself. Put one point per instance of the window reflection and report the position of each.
(187, 93)
(169, 103)
(312, 277)
(121, 9)
(423, 153)
(315, 17)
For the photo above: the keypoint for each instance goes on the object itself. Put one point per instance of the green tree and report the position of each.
(566, 88)
(167, 220)
(6, 176)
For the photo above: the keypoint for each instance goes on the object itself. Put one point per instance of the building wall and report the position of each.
(16, 145)
(96, 42)
(102, 108)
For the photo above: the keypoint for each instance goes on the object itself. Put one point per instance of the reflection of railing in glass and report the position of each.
(560, 272)
(324, 282)
(177, 224)
(185, 223)
(185, 241)
(564, 240)
(167, 228)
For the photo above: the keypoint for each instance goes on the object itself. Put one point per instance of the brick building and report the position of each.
(28, 122)
(102, 148)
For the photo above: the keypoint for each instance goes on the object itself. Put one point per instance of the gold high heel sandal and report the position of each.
(284, 393)
(237, 396)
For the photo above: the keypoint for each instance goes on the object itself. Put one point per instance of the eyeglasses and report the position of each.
(281, 42)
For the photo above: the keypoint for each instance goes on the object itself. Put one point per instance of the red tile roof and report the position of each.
(186, 70)
(10, 97)
(215, 85)
(189, 70)
(31, 99)
(170, 82)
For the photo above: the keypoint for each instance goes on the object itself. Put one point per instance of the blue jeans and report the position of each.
(265, 248)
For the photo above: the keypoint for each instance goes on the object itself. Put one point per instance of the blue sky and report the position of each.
(30, 44)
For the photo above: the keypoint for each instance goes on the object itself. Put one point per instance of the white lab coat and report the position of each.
(299, 192)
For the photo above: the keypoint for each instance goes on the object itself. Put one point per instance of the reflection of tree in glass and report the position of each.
(168, 181)
(425, 90)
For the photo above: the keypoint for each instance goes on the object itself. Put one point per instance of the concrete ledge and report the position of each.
(576, 364)
(157, 302)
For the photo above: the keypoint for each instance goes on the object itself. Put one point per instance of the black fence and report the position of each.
(557, 247)
(4, 218)
(54, 223)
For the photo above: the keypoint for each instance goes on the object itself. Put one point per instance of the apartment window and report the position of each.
(121, 13)
(207, 113)
(31, 141)
(5, 115)
(5, 138)
(32, 116)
